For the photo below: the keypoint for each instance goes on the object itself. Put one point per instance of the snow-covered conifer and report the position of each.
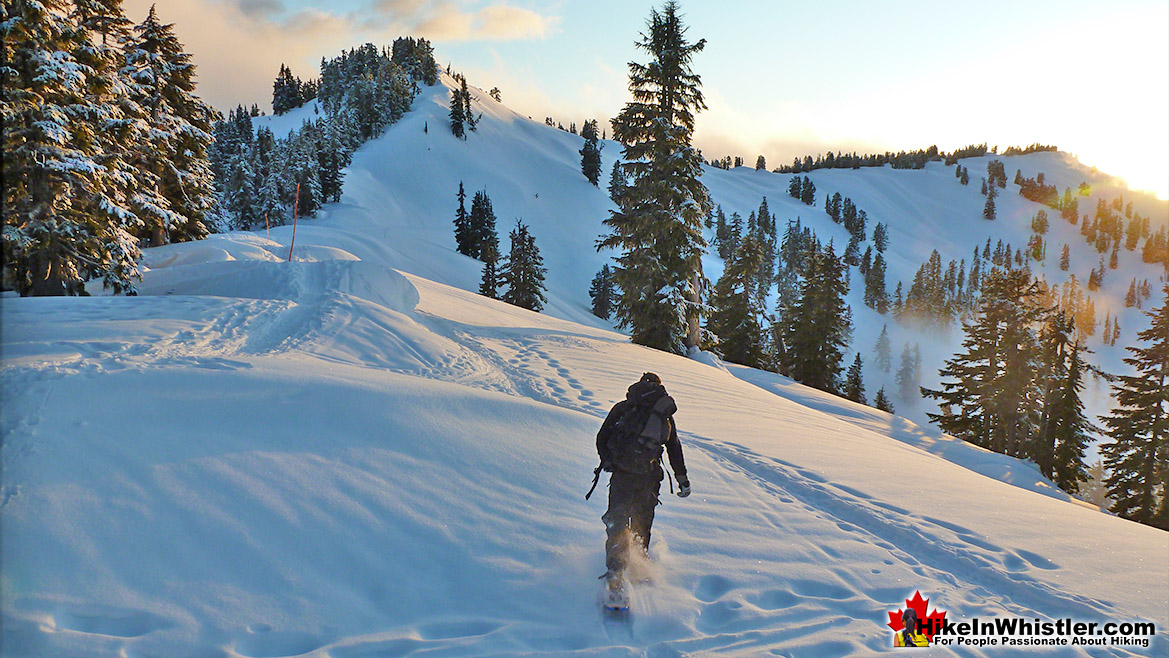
(590, 153)
(164, 82)
(658, 224)
(883, 349)
(1138, 456)
(524, 271)
(817, 327)
(738, 307)
(602, 293)
(854, 385)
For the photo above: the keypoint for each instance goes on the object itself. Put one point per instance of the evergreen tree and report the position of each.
(1065, 258)
(468, 113)
(164, 82)
(658, 221)
(808, 192)
(617, 183)
(462, 224)
(458, 115)
(882, 348)
(65, 211)
(590, 153)
(876, 295)
(988, 211)
(481, 228)
(1061, 433)
(881, 237)
(524, 272)
(906, 385)
(991, 399)
(1138, 456)
(882, 401)
(817, 327)
(760, 163)
(489, 282)
(1071, 427)
(723, 241)
(738, 307)
(602, 293)
(854, 385)
(286, 92)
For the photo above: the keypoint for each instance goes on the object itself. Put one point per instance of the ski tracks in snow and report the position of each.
(802, 507)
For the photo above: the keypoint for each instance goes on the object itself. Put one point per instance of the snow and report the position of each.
(352, 454)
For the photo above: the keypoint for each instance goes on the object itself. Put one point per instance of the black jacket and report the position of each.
(672, 445)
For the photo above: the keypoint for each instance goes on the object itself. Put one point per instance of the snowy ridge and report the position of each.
(351, 455)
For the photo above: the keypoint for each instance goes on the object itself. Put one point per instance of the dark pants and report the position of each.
(632, 499)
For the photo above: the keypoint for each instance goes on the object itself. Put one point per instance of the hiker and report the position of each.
(630, 444)
(908, 636)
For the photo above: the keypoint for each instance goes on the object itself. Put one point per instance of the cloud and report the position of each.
(259, 7)
(239, 45)
(448, 21)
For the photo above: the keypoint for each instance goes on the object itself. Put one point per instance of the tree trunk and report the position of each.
(694, 296)
(46, 281)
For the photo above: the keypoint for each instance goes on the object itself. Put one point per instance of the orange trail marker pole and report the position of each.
(295, 209)
(267, 231)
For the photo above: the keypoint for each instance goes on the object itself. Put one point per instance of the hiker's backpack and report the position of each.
(636, 440)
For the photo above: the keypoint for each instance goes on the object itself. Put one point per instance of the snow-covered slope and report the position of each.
(400, 203)
(350, 455)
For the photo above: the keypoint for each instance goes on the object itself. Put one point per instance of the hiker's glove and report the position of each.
(684, 489)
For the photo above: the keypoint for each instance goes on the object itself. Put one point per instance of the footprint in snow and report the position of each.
(775, 599)
(712, 588)
(115, 622)
(275, 644)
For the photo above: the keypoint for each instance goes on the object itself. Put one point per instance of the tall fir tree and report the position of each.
(481, 233)
(286, 93)
(458, 115)
(883, 350)
(65, 212)
(1138, 456)
(524, 271)
(818, 325)
(906, 383)
(854, 383)
(590, 153)
(617, 183)
(462, 224)
(657, 225)
(164, 80)
(1071, 427)
(738, 308)
(881, 237)
(490, 280)
(991, 398)
(602, 294)
(468, 112)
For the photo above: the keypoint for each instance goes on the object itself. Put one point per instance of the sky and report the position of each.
(781, 79)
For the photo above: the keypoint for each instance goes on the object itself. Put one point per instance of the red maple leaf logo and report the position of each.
(929, 623)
